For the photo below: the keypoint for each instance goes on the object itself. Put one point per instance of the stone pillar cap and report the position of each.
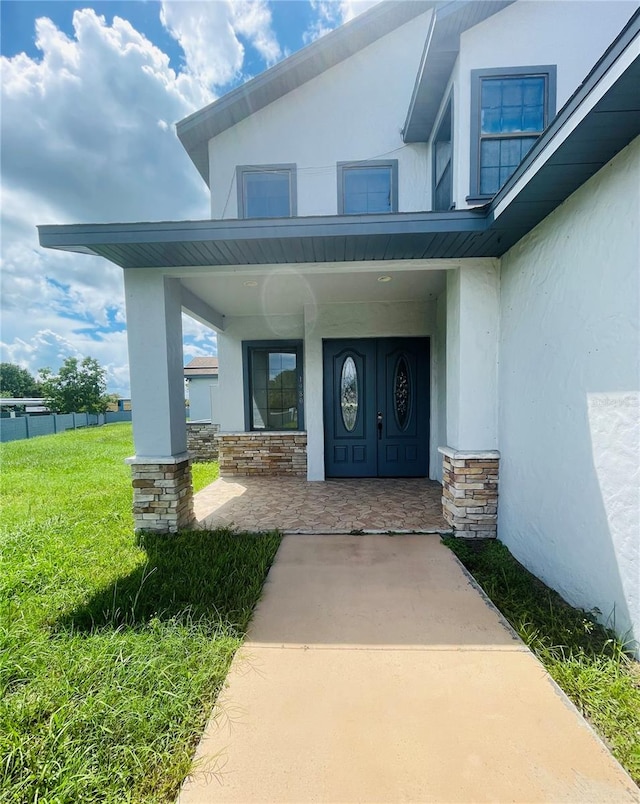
(461, 455)
(159, 459)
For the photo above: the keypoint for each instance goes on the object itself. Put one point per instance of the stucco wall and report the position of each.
(569, 430)
(353, 111)
(230, 381)
(200, 406)
(571, 35)
(472, 313)
(370, 320)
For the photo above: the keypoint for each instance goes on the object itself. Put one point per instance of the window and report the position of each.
(273, 385)
(367, 187)
(442, 167)
(266, 191)
(510, 109)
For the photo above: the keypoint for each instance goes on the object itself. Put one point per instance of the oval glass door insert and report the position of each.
(402, 393)
(349, 394)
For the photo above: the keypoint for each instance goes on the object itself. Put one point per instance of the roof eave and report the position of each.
(438, 60)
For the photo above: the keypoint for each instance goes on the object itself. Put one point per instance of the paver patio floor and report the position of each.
(375, 671)
(294, 505)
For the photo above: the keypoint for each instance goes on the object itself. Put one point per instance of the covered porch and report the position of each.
(393, 290)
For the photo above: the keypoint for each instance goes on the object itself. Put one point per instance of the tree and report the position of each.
(16, 381)
(79, 387)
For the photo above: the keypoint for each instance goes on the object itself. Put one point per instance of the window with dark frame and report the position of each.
(366, 188)
(442, 164)
(266, 191)
(273, 385)
(511, 109)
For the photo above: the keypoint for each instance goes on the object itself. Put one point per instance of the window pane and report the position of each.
(489, 180)
(274, 389)
(499, 159)
(512, 104)
(512, 92)
(267, 194)
(490, 153)
(367, 189)
(533, 89)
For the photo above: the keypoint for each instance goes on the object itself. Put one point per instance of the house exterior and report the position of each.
(422, 260)
(201, 376)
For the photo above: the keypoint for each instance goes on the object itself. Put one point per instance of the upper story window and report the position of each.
(367, 187)
(510, 109)
(266, 191)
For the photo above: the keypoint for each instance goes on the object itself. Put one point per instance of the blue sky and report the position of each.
(90, 96)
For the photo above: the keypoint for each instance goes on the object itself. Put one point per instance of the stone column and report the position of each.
(162, 494)
(470, 492)
(162, 490)
(470, 459)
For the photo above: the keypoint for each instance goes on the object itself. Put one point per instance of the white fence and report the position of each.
(32, 426)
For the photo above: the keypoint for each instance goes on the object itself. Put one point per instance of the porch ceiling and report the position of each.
(285, 290)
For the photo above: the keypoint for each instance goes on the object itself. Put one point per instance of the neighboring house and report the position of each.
(120, 404)
(422, 259)
(201, 375)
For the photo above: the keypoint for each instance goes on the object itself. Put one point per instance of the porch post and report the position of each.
(470, 457)
(161, 470)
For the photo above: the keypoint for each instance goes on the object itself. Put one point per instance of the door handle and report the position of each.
(379, 420)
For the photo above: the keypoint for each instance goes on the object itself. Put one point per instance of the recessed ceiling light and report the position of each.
(384, 279)
(250, 283)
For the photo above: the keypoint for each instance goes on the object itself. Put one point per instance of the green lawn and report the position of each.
(586, 659)
(112, 647)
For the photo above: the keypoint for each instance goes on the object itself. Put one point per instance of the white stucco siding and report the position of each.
(570, 35)
(347, 320)
(230, 379)
(439, 352)
(200, 398)
(569, 393)
(353, 111)
(472, 321)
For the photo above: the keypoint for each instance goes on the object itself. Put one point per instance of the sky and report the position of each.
(91, 92)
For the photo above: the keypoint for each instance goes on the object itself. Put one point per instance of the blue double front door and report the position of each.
(376, 407)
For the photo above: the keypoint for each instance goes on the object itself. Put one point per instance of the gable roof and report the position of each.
(197, 129)
(440, 53)
(598, 121)
(201, 367)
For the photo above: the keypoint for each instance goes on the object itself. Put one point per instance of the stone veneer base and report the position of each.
(470, 492)
(263, 453)
(162, 494)
(202, 441)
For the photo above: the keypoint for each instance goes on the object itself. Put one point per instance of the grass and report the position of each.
(585, 658)
(112, 647)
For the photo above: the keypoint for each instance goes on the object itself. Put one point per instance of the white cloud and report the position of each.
(88, 136)
(208, 34)
(332, 13)
(199, 341)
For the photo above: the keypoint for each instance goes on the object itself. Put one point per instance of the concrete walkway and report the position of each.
(375, 672)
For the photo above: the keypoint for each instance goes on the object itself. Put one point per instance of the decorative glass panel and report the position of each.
(402, 393)
(349, 394)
